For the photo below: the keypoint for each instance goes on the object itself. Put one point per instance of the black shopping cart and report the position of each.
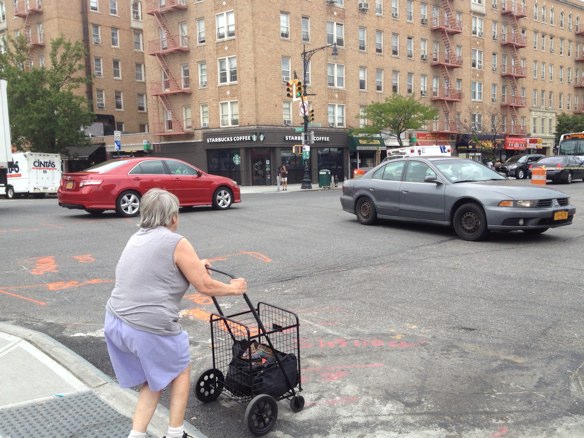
(256, 359)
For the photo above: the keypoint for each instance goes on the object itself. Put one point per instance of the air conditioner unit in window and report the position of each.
(203, 83)
(363, 6)
(480, 34)
(424, 57)
(569, 80)
(494, 99)
(394, 14)
(331, 2)
(495, 37)
(204, 125)
(100, 106)
(331, 125)
(287, 122)
(423, 93)
(424, 21)
(494, 68)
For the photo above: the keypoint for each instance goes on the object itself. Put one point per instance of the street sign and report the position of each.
(118, 140)
(303, 107)
(299, 129)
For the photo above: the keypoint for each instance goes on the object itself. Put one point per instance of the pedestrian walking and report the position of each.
(146, 344)
(283, 173)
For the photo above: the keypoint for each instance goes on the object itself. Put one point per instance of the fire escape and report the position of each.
(579, 79)
(512, 41)
(447, 95)
(26, 9)
(168, 122)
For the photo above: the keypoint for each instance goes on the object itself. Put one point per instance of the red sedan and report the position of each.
(119, 185)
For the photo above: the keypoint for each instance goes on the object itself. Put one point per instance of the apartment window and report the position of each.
(284, 25)
(542, 98)
(477, 59)
(551, 72)
(100, 99)
(551, 100)
(476, 91)
(362, 38)
(119, 100)
(378, 41)
(113, 7)
(141, 102)
(362, 117)
(410, 47)
(379, 79)
(534, 70)
(494, 62)
(229, 113)
(227, 70)
(410, 83)
(305, 25)
(569, 48)
(98, 67)
(336, 115)
(183, 34)
(94, 5)
(423, 85)
(362, 78)
(185, 76)
(286, 68)
(534, 127)
(410, 10)
(379, 7)
(493, 92)
(307, 73)
(117, 69)
(138, 41)
(561, 73)
(140, 72)
(137, 11)
(287, 112)
(477, 26)
(395, 81)
(561, 101)
(187, 117)
(204, 109)
(542, 45)
(96, 34)
(395, 8)
(562, 19)
(115, 37)
(542, 71)
(202, 74)
(552, 16)
(335, 33)
(395, 44)
(200, 25)
(225, 24)
(476, 122)
(336, 75)
(2, 12)
(534, 98)
(561, 47)
(535, 39)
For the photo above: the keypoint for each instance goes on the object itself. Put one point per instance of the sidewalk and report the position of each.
(50, 391)
(291, 188)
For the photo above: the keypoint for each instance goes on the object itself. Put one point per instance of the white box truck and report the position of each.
(5, 143)
(33, 173)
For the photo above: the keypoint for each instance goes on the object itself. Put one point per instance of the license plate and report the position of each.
(560, 215)
(69, 185)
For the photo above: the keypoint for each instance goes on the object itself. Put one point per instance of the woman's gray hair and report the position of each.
(158, 208)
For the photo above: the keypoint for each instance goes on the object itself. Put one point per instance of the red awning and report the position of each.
(515, 143)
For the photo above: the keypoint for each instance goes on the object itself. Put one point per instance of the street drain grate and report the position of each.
(78, 415)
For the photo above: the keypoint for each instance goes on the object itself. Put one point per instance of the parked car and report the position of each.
(456, 192)
(563, 168)
(120, 183)
(518, 165)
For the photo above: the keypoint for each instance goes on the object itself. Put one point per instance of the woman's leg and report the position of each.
(179, 397)
(147, 402)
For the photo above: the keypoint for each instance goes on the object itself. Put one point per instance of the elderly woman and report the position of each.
(145, 341)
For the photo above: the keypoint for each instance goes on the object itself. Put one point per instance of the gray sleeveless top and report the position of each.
(149, 286)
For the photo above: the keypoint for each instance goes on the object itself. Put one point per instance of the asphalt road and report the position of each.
(405, 330)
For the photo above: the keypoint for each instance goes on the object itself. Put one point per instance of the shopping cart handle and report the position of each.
(247, 300)
(219, 272)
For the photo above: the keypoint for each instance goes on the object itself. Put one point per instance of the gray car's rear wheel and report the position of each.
(222, 198)
(365, 210)
(128, 204)
(470, 222)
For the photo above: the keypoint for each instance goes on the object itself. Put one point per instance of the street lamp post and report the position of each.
(306, 141)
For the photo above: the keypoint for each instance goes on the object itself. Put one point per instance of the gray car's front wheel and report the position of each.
(222, 198)
(520, 174)
(128, 204)
(366, 213)
(470, 222)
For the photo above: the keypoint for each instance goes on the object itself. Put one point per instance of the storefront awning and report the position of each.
(84, 151)
(366, 143)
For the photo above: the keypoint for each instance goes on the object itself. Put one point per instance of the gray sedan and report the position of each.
(454, 192)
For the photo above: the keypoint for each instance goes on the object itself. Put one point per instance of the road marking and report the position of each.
(10, 294)
(44, 265)
(84, 258)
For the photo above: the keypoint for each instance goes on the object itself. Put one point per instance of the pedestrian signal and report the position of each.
(290, 92)
(297, 149)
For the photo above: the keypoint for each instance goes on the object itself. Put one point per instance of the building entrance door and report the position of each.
(260, 167)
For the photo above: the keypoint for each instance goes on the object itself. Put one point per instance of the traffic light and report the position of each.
(297, 149)
(311, 115)
(298, 89)
(290, 89)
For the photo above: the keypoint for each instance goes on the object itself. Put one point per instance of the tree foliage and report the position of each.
(395, 116)
(46, 113)
(568, 123)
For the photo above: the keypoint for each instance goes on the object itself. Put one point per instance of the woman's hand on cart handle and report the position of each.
(239, 285)
(206, 263)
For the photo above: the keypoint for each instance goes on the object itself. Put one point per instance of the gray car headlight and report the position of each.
(521, 204)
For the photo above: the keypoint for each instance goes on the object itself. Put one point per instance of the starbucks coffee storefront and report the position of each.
(253, 157)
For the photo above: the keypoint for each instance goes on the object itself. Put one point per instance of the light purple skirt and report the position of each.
(140, 357)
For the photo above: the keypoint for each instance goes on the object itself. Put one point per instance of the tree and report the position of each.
(46, 114)
(568, 123)
(395, 116)
(485, 132)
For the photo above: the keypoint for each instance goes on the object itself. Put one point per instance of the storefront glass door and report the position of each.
(260, 167)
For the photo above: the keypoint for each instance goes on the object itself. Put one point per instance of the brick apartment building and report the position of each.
(217, 70)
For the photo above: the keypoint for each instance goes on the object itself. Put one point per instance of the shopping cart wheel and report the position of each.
(297, 403)
(261, 414)
(209, 385)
